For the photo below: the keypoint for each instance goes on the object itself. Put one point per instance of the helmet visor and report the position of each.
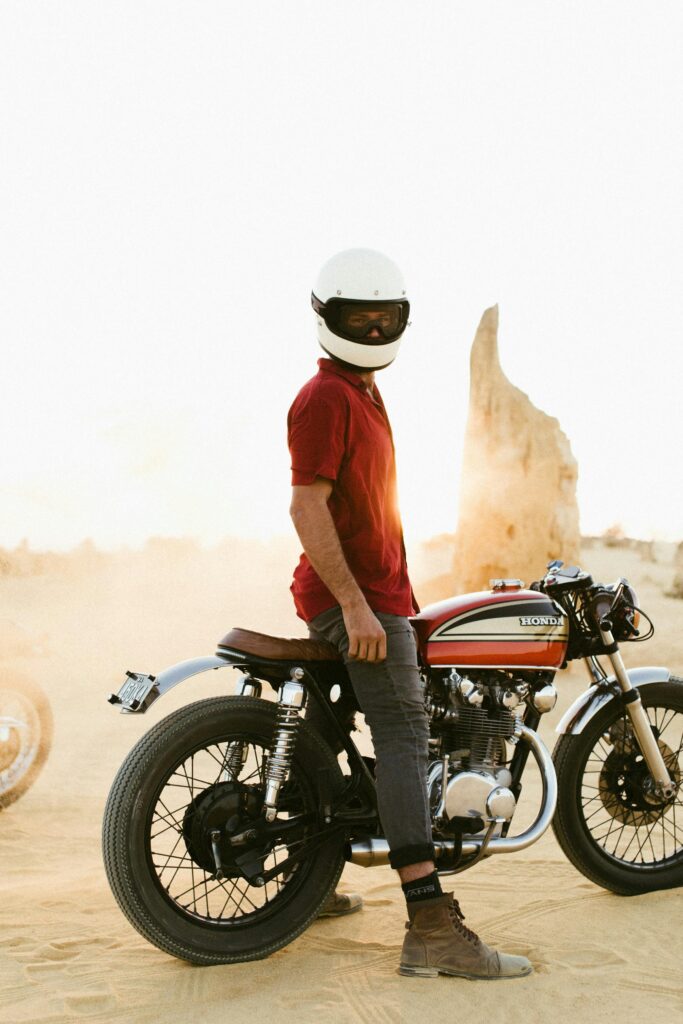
(365, 321)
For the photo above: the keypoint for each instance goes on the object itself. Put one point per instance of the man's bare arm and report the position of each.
(320, 540)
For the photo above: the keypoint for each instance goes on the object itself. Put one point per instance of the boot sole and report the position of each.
(434, 972)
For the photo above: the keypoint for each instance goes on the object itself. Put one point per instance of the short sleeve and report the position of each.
(316, 434)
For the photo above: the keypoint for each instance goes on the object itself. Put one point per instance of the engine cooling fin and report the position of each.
(481, 731)
(483, 722)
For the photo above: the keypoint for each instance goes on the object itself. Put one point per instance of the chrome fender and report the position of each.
(174, 674)
(141, 690)
(587, 705)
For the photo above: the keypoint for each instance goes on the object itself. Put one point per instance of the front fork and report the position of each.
(639, 719)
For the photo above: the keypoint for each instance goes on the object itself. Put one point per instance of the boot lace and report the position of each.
(457, 917)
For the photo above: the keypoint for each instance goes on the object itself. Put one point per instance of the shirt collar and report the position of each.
(329, 366)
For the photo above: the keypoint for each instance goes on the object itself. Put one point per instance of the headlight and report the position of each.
(633, 615)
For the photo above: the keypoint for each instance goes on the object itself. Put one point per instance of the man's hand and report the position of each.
(317, 533)
(367, 639)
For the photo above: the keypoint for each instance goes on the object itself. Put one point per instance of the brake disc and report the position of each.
(625, 784)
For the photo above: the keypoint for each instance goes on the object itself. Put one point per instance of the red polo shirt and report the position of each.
(337, 429)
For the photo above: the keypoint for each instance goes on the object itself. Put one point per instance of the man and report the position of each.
(351, 587)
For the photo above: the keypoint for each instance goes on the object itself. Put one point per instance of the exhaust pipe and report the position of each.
(371, 852)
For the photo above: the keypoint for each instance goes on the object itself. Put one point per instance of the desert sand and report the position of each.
(68, 954)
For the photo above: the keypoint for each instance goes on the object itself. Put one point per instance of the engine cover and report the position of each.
(479, 794)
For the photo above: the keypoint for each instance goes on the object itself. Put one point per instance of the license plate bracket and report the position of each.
(137, 694)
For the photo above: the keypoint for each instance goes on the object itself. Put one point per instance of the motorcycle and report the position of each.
(25, 735)
(229, 823)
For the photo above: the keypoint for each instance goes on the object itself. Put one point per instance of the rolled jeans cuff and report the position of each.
(405, 855)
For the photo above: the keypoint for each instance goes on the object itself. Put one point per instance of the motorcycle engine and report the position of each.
(470, 723)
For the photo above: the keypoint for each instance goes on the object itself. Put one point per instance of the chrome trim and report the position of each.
(479, 855)
(640, 721)
(291, 698)
(237, 751)
(587, 704)
(175, 674)
(247, 686)
(510, 844)
(545, 699)
(371, 851)
(444, 785)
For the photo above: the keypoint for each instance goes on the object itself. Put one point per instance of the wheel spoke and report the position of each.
(666, 721)
(180, 847)
(621, 813)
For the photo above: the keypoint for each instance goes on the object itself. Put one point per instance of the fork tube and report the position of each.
(641, 723)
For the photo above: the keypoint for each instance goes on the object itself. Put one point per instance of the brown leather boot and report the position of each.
(339, 904)
(438, 942)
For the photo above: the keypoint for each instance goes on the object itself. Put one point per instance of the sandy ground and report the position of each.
(66, 951)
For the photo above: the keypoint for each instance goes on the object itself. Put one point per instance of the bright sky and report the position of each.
(173, 174)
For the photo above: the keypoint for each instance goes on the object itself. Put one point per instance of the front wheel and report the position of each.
(192, 783)
(610, 821)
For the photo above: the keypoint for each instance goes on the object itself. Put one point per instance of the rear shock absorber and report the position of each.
(236, 752)
(291, 699)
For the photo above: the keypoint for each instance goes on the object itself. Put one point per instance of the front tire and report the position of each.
(182, 780)
(608, 822)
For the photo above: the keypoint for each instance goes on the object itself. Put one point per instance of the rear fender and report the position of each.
(175, 674)
(587, 705)
(141, 691)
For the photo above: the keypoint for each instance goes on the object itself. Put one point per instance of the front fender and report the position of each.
(587, 705)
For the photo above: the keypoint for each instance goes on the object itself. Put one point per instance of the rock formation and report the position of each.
(518, 504)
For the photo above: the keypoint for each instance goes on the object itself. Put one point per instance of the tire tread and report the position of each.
(582, 853)
(116, 862)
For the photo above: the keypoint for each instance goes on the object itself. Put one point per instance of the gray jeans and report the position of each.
(390, 695)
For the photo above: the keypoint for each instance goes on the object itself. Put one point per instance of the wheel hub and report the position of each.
(626, 787)
(216, 814)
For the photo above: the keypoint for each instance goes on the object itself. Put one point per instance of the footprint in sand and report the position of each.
(58, 951)
(587, 958)
(85, 1004)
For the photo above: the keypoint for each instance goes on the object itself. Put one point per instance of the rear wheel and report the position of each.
(190, 784)
(25, 735)
(610, 821)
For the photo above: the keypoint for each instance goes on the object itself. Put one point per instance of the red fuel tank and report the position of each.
(506, 627)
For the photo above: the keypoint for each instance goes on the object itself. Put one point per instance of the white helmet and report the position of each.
(357, 291)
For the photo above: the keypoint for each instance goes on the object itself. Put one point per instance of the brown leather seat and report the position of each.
(278, 648)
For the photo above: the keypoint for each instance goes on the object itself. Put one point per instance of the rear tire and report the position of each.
(618, 846)
(24, 746)
(192, 932)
